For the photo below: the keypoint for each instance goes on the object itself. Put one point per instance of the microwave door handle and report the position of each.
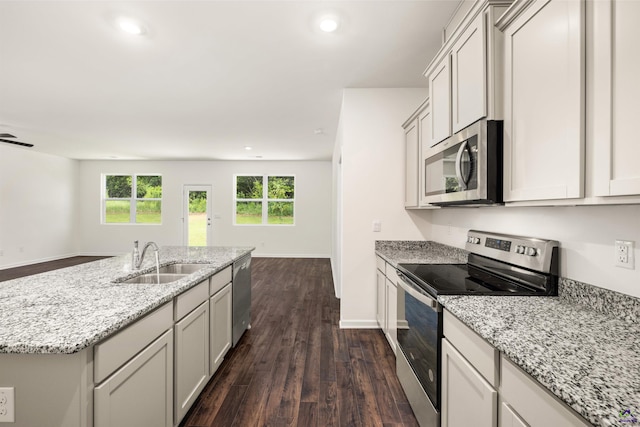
(463, 182)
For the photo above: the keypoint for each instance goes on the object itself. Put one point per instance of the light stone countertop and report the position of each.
(67, 310)
(583, 346)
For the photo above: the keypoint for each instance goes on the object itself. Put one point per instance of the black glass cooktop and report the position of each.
(461, 279)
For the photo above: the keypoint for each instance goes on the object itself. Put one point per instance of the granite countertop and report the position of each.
(67, 310)
(583, 346)
(419, 252)
(589, 360)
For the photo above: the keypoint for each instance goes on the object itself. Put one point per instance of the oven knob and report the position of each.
(520, 249)
(476, 240)
(469, 239)
(531, 252)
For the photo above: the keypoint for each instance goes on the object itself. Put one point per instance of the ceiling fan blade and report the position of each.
(23, 144)
(6, 135)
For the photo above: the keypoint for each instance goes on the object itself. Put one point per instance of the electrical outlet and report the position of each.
(7, 405)
(624, 254)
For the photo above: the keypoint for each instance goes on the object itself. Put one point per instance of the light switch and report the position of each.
(377, 226)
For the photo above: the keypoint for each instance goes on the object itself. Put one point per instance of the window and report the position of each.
(264, 199)
(132, 199)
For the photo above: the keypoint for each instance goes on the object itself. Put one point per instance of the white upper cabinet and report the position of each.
(440, 95)
(468, 76)
(544, 94)
(417, 137)
(411, 164)
(424, 130)
(465, 77)
(614, 93)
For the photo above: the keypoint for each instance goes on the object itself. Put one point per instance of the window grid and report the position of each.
(264, 200)
(133, 200)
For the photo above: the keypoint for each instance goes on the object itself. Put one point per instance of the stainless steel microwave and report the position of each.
(466, 168)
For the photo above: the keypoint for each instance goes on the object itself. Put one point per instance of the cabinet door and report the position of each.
(424, 134)
(509, 417)
(192, 358)
(615, 98)
(411, 165)
(468, 76)
(220, 327)
(140, 394)
(440, 98)
(544, 102)
(392, 314)
(467, 398)
(381, 300)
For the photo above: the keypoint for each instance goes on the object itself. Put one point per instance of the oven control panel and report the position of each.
(528, 252)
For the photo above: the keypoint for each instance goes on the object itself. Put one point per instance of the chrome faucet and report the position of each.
(137, 258)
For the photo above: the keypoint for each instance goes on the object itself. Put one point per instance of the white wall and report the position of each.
(372, 149)
(38, 206)
(586, 235)
(310, 237)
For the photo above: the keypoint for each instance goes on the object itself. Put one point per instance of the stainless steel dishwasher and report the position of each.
(241, 297)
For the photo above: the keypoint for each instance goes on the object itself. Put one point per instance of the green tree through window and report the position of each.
(120, 206)
(264, 200)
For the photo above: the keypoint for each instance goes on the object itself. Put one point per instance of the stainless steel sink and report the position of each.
(153, 278)
(182, 268)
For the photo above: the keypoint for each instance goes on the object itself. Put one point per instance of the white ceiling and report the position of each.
(208, 78)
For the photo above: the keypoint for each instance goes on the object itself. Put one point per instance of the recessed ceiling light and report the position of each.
(328, 24)
(248, 148)
(131, 26)
(318, 131)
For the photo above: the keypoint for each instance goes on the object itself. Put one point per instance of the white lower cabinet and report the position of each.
(220, 327)
(469, 377)
(467, 398)
(140, 394)
(509, 417)
(381, 304)
(481, 387)
(191, 358)
(529, 403)
(387, 301)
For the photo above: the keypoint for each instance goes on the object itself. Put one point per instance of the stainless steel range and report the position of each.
(498, 264)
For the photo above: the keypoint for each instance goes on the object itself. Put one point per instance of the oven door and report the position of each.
(419, 335)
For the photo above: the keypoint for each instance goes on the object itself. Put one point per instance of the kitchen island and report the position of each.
(582, 347)
(52, 322)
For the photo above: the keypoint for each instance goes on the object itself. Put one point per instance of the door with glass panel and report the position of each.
(197, 215)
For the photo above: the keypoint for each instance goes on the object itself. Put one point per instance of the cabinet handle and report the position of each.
(461, 180)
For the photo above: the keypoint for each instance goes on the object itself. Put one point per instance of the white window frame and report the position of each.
(132, 200)
(264, 200)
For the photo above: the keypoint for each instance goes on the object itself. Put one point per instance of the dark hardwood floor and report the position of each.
(295, 366)
(28, 270)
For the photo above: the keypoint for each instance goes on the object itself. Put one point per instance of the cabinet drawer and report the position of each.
(192, 298)
(536, 405)
(220, 280)
(482, 355)
(146, 378)
(112, 353)
(380, 265)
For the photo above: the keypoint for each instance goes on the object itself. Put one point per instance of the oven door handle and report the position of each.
(409, 287)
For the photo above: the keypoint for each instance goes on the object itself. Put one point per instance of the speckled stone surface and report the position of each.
(589, 359)
(67, 310)
(601, 300)
(419, 252)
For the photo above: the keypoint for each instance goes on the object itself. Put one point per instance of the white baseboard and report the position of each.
(36, 261)
(359, 324)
